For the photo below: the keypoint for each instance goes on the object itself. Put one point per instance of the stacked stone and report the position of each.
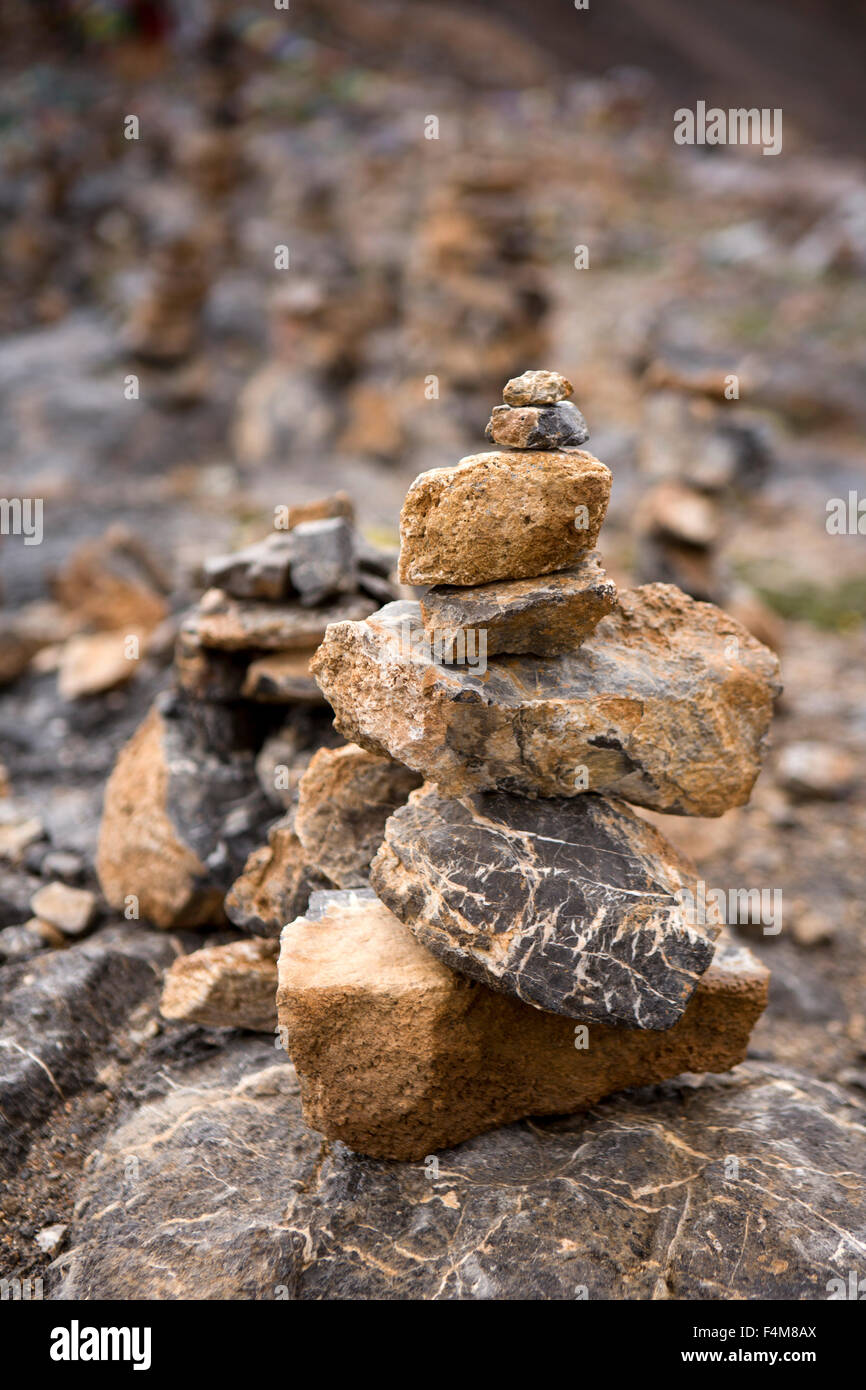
(189, 833)
(528, 942)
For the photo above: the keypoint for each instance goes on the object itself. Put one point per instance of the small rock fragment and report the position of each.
(50, 1239)
(275, 884)
(259, 571)
(537, 426)
(345, 797)
(71, 910)
(232, 986)
(546, 616)
(397, 1056)
(812, 769)
(323, 559)
(536, 388)
(502, 516)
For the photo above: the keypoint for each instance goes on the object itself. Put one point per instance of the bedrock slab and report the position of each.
(666, 704)
(546, 616)
(398, 1056)
(231, 986)
(570, 905)
(502, 516)
(615, 1204)
(344, 800)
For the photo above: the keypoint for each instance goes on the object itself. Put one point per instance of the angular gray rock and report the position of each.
(546, 616)
(571, 905)
(666, 704)
(696, 1189)
(314, 561)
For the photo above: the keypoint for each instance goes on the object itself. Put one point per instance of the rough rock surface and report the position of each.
(546, 616)
(637, 1200)
(571, 905)
(502, 516)
(399, 1056)
(178, 824)
(235, 624)
(558, 426)
(231, 986)
(666, 704)
(344, 799)
(536, 388)
(275, 885)
(62, 1012)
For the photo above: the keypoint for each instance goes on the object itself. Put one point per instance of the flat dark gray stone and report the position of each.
(568, 904)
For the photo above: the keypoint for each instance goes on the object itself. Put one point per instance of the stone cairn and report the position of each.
(189, 835)
(522, 943)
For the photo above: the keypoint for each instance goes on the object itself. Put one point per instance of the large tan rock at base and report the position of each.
(666, 704)
(232, 986)
(344, 799)
(397, 1056)
(502, 515)
(140, 851)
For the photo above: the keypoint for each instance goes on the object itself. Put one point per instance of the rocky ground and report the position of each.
(146, 1158)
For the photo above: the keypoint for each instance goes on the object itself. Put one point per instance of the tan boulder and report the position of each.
(502, 516)
(397, 1056)
(233, 986)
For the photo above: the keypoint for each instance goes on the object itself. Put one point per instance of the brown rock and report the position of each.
(536, 388)
(282, 679)
(337, 504)
(114, 583)
(140, 851)
(674, 509)
(666, 705)
(233, 624)
(502, 516)
(71, 910)
(96, 661)
(547, 615)
(275, 885)
(398, 1057)
(345, 797)
(233, 986)
(537, 426)
(177, 825)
